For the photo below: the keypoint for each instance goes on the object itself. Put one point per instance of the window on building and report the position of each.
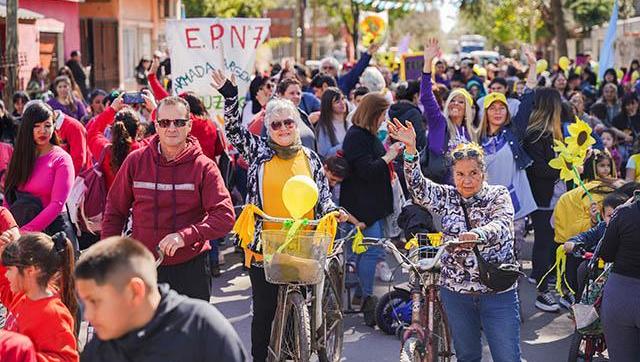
(130, 51)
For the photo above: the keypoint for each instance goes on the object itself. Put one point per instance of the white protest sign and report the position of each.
(201, 45)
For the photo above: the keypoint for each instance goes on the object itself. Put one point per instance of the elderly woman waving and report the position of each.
(472, 210)
(272, 161)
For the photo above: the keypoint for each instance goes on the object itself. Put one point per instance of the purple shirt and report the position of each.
(436, 121)
(78, 114)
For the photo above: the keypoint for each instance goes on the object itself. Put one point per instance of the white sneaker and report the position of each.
(383, 272)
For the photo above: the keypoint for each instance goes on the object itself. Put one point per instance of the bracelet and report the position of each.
(409, 157)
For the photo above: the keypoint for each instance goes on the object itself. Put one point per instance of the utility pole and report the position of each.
(302, 5)
(11, 51)
(314, 30)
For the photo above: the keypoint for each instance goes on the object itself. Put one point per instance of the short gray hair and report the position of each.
(279, 107)
(373, 79)
(172, 101)
(331, 60)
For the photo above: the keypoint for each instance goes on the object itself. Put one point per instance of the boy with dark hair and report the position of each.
(135, 319)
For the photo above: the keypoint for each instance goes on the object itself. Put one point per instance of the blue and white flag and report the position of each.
(607, 53)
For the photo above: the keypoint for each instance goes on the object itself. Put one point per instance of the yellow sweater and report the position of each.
(276, 173)
(571, 215)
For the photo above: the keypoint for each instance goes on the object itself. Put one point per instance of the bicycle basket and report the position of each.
(300, 261)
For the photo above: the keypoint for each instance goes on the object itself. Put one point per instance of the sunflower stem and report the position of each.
(598, 217)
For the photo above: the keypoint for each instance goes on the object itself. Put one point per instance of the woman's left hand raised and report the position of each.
(405, 134)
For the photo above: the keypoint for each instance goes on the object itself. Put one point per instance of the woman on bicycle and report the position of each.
(470, 306)
(272, 161)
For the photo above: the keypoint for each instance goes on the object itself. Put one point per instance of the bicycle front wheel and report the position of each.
(439, 338)
(290, 330)
(331, 333)
(412, 350)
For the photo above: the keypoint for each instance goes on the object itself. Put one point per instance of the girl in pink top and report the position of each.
(41, 168)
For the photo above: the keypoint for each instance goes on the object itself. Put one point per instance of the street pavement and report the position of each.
(544, 336)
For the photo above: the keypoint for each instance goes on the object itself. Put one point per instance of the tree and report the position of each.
(227, 8)
(589, 13)
(559, 27)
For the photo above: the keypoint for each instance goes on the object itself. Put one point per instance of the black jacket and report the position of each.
(620, 244)
(407, 111)
(366, 192)
(542, 177)
(182, 329)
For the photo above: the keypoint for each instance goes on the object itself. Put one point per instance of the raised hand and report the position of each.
(405, 134)
(149, 100)
(153, 68)
(431, 51)
(118, 103)
(528, 52)
(373, 48)
(218, 78)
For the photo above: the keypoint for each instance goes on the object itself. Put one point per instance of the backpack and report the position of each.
(88, 198)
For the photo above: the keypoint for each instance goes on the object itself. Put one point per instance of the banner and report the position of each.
(607, 52)
(411, 66)
(201, 45)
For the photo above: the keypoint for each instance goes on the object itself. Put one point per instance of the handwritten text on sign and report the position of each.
(200, 46)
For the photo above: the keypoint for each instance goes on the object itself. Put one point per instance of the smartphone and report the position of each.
(133, 98)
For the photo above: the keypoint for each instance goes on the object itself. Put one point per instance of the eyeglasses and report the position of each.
(268, 86)
(461, 154)
(166, 123)
(289, 123)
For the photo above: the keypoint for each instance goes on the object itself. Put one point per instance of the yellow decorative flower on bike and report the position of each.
(566, 161)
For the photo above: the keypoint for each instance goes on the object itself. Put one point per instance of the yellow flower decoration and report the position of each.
(565, 162)
(580, 138)
(373, 29)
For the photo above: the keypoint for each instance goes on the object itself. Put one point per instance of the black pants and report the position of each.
(191, 278)
(543, 246)
(265, 301)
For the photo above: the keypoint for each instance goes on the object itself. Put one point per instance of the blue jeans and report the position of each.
(367, 261)
(497, 315)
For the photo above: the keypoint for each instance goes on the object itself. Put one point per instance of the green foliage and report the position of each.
(589, 13)
(505, 23)
(226, 8)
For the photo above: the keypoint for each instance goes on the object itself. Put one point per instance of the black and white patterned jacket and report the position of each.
(490, 215)
(255, 150)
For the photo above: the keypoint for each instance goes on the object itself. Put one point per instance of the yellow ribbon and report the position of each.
(412, 243)
(560, 267)
(245, 225)
(357, 246)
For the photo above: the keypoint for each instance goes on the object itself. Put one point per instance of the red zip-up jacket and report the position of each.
(203, 129)
(185, 195)
(98, 142)
(73, 136)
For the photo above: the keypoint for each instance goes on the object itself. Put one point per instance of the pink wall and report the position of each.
(65, 11)
(28, 35)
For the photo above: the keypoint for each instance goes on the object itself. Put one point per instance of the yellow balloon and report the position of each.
(300, 195)
(541, 65)
(578, 70)
(564, 62)
(620, 74)
(634, 76)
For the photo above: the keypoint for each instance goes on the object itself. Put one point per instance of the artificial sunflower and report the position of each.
(373, 28)
(580, 136)
(566, 163)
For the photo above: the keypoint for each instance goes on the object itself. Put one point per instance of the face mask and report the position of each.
(382, 134)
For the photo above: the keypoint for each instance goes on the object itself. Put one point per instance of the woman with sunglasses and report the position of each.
(272, 161)
(501, 139)
(446, 129)
(471, 209)
(125, 128)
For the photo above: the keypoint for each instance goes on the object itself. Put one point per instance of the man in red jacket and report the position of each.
(178, 201)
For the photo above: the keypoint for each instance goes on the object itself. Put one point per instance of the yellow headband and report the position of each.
(464, 93)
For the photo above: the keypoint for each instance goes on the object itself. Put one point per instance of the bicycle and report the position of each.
(427, 338)
(299, 264)
(588, 343)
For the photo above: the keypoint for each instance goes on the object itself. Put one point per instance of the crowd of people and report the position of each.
(469, 149)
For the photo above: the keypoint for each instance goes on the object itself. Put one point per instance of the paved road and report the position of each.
(544, 337)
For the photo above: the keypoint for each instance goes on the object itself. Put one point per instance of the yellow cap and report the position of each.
(492, 97)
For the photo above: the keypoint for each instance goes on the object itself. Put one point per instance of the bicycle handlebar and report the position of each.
(423, 264)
